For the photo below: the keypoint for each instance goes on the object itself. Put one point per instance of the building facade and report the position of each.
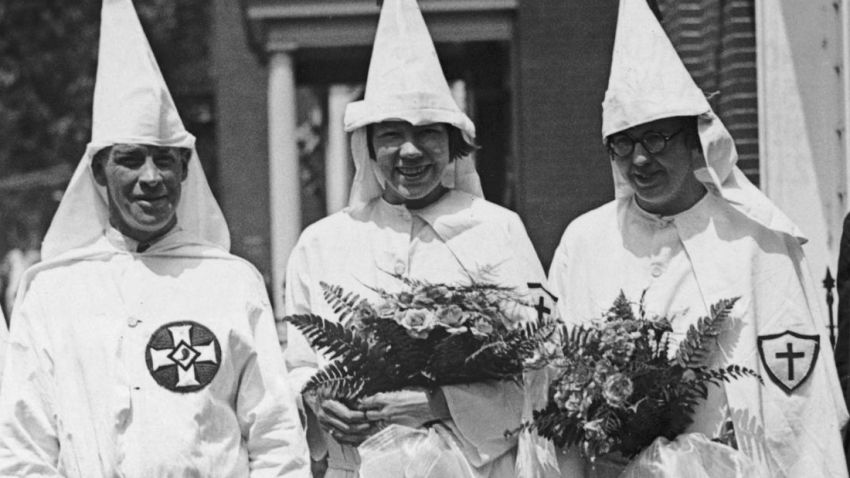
(532, 75)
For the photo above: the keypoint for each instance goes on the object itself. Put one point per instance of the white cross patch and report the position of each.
(183, 356)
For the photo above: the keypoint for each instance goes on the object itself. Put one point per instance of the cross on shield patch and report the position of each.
(788, 358)
(183, 357)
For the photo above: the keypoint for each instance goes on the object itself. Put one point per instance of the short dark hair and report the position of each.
(101, 155)
(458, 146)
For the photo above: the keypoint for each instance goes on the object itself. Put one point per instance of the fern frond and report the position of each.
(696, 348)
(731, 372)
(578, 338)
(558, 425)
(337, 381)
(334, 340)
(531, 337)
(723, 308)
(622, 308)
(641, 304)
(343, 303)
(495, 347)
(407, 281)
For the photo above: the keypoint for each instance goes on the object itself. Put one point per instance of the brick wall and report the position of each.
(716, 40)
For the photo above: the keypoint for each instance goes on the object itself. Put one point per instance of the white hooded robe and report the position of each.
(163, 363)
(732, 243)
(152, 361)
(454, 240)
(451, 241)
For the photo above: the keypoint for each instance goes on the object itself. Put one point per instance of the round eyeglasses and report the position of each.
(622, 145)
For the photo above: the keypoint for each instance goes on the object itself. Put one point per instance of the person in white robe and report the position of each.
(416, 209)
(687, 229)
(140, 347)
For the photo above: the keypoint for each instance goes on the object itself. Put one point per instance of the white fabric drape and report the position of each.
(131, 104)
(648, 82)
(405, 82)
(688, 262)
(79, 400)
(732, 243)
(459, 238)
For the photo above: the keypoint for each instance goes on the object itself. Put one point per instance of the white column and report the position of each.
(338, 170)
(458, 89)
(284, 184)
(802, 157)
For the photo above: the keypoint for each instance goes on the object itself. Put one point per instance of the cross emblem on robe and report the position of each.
(790, 355)
(540, 307)
(183, 356)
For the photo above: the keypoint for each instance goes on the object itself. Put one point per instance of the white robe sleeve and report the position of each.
(483, 412)
(820, 317)
(803, 429)
(557, 278)
(29, 443)
(265, 404)
(301, 359)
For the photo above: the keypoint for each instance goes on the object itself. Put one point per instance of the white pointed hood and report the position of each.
(131, 105)
(649, 82)
(405, 82)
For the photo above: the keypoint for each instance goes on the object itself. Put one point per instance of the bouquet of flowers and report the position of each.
(619, 387)
(425, 336)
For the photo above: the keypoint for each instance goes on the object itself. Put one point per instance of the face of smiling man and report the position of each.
(663, 179)
(411, 159)
(143, 184)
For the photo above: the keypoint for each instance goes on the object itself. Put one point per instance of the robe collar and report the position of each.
(127, 244)
(457, 219)
(449, 216)
(699, 210)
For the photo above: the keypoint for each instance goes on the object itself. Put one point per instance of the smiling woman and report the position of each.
(417, 210)
(411, 160)
(143, 185)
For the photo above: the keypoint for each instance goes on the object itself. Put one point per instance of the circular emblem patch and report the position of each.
(183, 356)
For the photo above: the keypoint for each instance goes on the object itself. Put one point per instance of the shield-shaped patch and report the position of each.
(789, 357)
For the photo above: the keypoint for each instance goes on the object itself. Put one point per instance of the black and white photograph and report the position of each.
(424, 238)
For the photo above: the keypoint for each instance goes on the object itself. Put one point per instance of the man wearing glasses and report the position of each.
(658, 160)
(686, 229)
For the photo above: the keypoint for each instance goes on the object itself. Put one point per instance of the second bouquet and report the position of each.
(427, 335)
